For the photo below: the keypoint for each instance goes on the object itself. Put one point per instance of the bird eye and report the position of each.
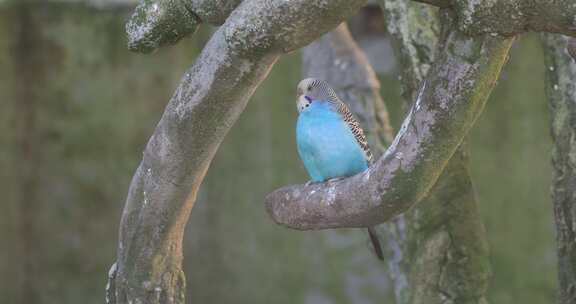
(309, 88)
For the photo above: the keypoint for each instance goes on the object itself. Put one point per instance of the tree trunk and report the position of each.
(561, 92)
(445, 248)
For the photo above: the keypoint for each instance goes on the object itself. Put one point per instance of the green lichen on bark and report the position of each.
(450, 243)
(561, 93)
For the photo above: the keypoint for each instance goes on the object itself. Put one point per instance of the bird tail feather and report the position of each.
(375, 243)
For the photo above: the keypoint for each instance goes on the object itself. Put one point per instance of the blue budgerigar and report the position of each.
(330, 141)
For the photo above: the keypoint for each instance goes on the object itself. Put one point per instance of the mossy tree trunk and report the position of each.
(445, 252)
(561, 92)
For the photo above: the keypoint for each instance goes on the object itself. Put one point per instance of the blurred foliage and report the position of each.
(511, 152)
(94, 106)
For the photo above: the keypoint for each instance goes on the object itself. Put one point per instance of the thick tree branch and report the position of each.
(561, 92)
(449, 101)
(511, 17)
(206, 104)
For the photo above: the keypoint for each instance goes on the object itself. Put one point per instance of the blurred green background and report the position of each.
(76, 109)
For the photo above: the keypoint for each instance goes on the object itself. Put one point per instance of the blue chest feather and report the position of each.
(326, 144)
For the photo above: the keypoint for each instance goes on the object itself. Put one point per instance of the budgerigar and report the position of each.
(330, 141)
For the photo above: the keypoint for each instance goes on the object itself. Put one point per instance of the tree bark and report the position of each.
(561, 92)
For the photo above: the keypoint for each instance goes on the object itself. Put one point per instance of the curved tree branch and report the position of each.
(450, 99)
(206, 104)
(512, 17)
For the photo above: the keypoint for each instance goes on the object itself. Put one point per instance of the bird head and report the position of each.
(313, 90)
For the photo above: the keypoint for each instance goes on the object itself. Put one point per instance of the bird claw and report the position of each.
(335, 179)
(332, 180)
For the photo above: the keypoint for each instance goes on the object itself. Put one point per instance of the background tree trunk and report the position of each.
(445, 252)
(561, 92)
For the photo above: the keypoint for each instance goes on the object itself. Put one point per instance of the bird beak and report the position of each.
(303, 100)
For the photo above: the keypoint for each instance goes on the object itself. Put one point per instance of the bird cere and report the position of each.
(330, 141)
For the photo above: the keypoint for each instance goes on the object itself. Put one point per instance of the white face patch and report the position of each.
(302, 103)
